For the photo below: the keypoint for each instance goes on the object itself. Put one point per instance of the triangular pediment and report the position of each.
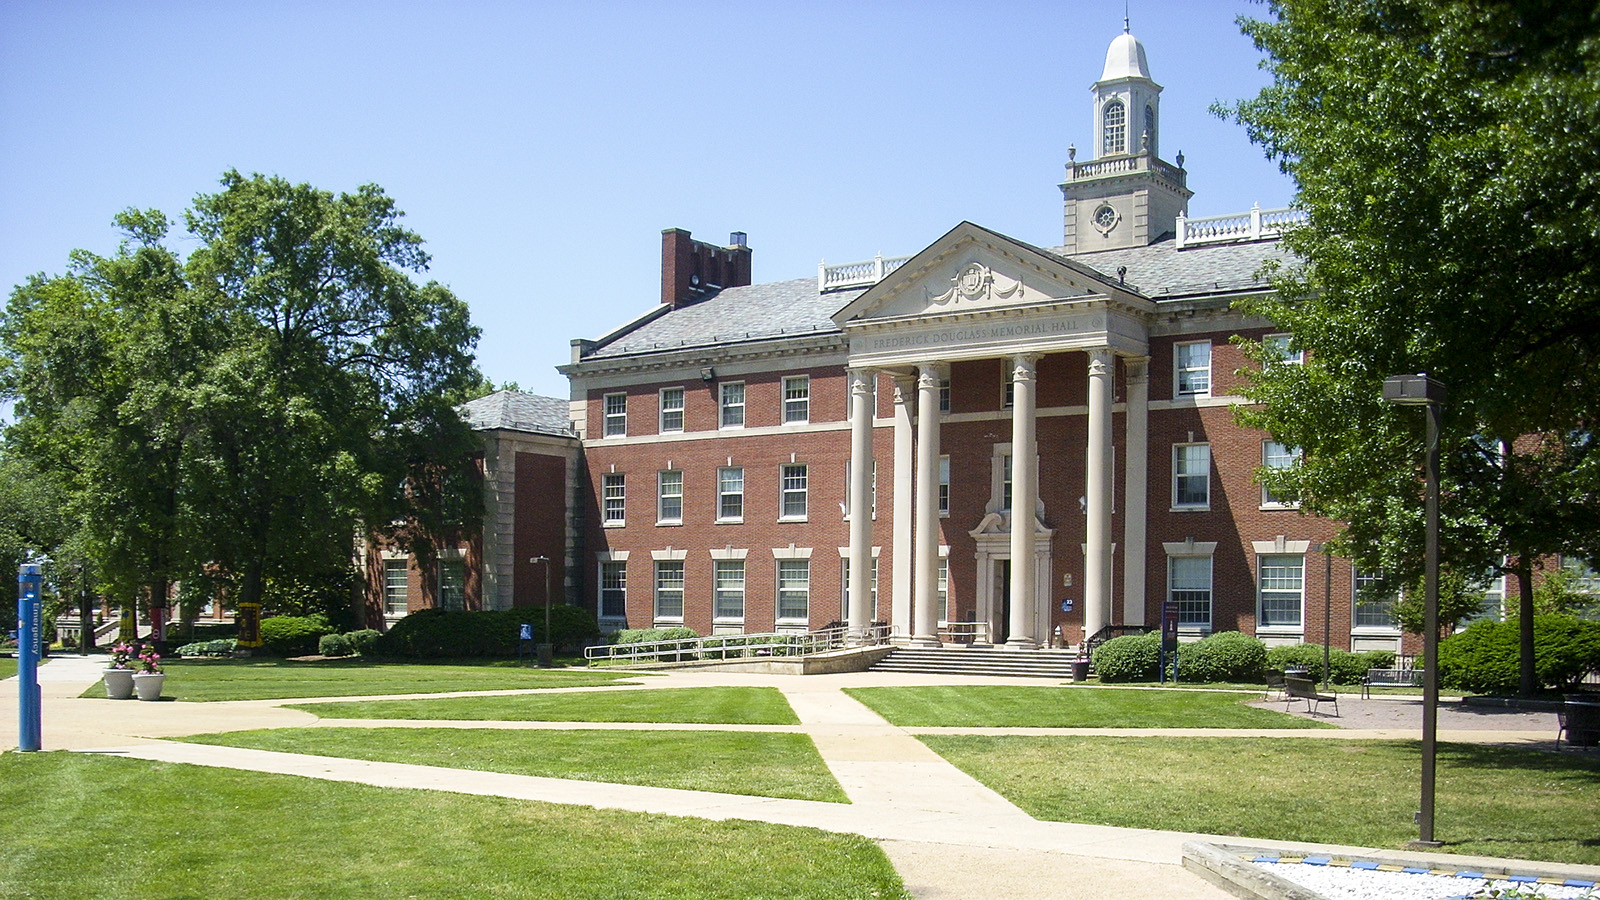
(971, 269)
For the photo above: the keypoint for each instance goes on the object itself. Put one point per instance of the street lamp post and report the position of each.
(545, 650)
(1420, 390)
(1327, 610)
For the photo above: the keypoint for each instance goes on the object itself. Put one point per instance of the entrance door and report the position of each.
(1001, 629)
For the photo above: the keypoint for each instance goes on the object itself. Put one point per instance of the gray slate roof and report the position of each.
(517, 411)
(1160, 271)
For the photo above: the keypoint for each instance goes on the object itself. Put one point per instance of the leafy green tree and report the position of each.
(1445, 154)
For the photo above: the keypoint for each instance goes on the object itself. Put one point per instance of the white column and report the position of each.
(860, 613)
(904, 404)
(1024, 497)
(1135, 513)
(1097, 559)
(925, 610)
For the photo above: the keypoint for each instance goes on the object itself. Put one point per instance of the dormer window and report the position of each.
(1114, 129)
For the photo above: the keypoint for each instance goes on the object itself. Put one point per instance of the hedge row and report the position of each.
(1486, 657)
(438, 633)
(293, 635)
(1344, 667)
(350, 643)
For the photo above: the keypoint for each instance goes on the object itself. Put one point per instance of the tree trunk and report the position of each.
(1528, 680)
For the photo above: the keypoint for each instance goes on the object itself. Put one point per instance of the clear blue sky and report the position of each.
(541, 148)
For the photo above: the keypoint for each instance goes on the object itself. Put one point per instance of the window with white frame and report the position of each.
(1114, 128)
(942, 587)
(730, 589)
(669, 496)
(844, 589)
(797, 399)
(396, 587)
(614, 589)
(1493, 586)
(1007, 372)
(730, 494)
(669, 589)
(1189, 586)
(613, 498)
(1277, 456)
(944, 485)
(847, 481)
(732, 404)
(671, 410)
(1374, 606)
(1282, 589)
(1193, 366)
(452, 584)
(1005, 481)
(944, 395)
(794, 502)
(616, 415)
(1279, 348)
(1191, 476)
(794, 590)
(1586, 584)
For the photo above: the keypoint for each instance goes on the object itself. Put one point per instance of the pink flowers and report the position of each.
(149, 661)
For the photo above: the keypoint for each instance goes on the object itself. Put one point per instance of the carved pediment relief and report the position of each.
(976, 282)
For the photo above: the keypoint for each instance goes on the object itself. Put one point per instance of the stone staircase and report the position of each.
(964, 660)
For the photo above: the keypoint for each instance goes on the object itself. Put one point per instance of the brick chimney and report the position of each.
(693, 270)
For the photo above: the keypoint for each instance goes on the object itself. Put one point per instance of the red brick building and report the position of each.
(902, 430)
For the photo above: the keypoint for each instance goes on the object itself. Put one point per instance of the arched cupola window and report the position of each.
(1114, 128)
(1150, 129)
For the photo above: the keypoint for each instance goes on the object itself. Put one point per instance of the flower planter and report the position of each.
(148, 685)
(119, 684)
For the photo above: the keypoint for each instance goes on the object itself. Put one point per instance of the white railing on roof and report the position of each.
(1254, 225)
(855, 274)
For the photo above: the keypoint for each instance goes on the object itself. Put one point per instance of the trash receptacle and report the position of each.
(1080, 670)
(546, 655)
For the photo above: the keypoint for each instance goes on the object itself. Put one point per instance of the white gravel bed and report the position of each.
(1345, 883)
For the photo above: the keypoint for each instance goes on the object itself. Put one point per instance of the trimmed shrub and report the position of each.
(335, 645)
(364, 641)
(1485, 658)
(646, 635)
(1131, 657)
(1224, 656)
(1347, 667)
(293, 635)
(439, 633)
(220, 647)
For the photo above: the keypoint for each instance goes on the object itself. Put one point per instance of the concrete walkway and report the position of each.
(947, 834)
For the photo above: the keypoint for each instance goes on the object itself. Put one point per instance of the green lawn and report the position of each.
(8, 666)
(1490, 801)
(760, 764)
(1004, 706)
(101, 827)
(273, 679)
(695, 706)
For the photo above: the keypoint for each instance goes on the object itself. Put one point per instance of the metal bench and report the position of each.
(1296, 688)
(1389, 678)
(1275, 684)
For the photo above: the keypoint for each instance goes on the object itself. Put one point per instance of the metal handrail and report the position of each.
(717, 647)
(968, 632)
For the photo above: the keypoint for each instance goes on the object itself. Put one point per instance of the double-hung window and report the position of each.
(733, 404)
(1189, 586)
(730, 494)
(1193, 365)
(1374, 606)
(452, 584)
(795, 502)
(844, 589)
(1278, 349)
(396, 587)
(1282, 585)
(613, 497)
(730, 590)
(613, 589)
(944, 485)
(671, 410)
(669, 496)
(797, 399)
(669, 589)
(1276, 456)
(1191, 476)
(794, 590)
(616, 415)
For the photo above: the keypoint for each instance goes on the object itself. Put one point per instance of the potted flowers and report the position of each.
(148, 679)
(119, 675)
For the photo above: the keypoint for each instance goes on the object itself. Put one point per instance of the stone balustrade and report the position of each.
(1257, 224)
(856, 274)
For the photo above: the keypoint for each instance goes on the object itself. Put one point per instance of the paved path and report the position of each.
(947, 834)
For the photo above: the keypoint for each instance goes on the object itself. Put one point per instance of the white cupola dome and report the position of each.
(1125, 59)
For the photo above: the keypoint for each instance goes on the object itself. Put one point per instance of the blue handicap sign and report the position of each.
(1066, 605)
(527, 632)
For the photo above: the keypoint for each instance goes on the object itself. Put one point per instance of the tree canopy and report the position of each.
(1445, 152)
(241, 414)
